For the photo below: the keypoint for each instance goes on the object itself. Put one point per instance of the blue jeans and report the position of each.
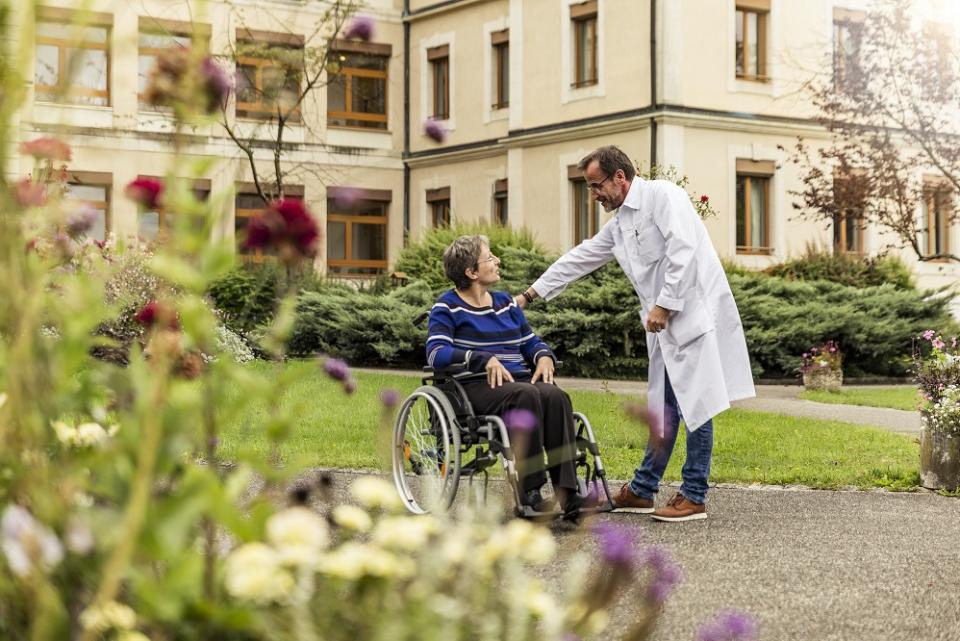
(696, 469)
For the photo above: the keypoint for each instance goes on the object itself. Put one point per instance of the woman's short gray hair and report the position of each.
(610, 159)
(461, 255)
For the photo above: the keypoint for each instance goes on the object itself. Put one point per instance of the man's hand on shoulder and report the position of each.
(657, 319)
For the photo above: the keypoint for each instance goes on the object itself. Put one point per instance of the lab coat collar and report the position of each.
(633, 198)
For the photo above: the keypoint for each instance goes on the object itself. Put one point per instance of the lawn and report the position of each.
(335, 430)
(898, 398)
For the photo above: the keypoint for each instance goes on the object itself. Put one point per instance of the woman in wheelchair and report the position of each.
(486, 332)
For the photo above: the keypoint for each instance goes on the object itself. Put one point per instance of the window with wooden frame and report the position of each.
(269, 73)
(753, 206)
(750, 52)
(583, 17)
(93, 189)
(357, 235)
(847, 38)
(438, 200)
(156, 36)
(848, 194)
(500, 41)
(586, 210)
(936, 217)
(500, 202)
(154, 226)
(72, 56)
(439, 60)
(248, 204)
(357, 94)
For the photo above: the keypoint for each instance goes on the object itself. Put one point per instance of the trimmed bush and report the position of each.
(846, 269)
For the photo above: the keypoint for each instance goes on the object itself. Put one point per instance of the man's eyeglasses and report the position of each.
(597, 186)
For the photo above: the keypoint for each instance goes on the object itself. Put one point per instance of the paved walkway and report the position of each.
(810, 565)
(779, 399)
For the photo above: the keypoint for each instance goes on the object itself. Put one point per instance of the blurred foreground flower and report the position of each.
(157, 314)
(352, 517)
(375, 493)
(434, 130)
(81, 219)
(146, 192)
(109, 616)
(348, 197)
(520, 420)
(617, 545)
(731, 625)
(26, 543)
(84, 435)
(217, 83)
(665, 573)
(286, 226)
(389, 397)
(30, 193)
(254, 572)
(47, 148)
(173, 83)
(299, 535)
(360, 28)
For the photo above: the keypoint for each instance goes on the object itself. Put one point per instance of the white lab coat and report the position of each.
(663, 247)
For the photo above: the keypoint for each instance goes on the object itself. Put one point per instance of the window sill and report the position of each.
(73, 105)
(754, 251)
(584, 84)
(368, 130)
(756, 79)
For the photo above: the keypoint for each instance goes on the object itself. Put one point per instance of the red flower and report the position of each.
(47, 148)
(285, 225)
(156, 313)
(145, 192)
(704, 198)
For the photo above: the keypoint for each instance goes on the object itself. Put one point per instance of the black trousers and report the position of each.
(554, 431)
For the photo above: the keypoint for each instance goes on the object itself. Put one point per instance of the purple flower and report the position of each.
(729, 625)
(617, 546)
(929, 334)
(360, 28)
(520, 420)
(666, 573)
(216, 82)
(389, 397)
(434, 130)
(348, 197)
(350, 386)
(336, 369)
(80, 220)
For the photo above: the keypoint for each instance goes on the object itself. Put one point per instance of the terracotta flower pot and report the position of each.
(939, 460)
(823, 378)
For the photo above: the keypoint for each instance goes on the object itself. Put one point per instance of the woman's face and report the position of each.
(488, 268)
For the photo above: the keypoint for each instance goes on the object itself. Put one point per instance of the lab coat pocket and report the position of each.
(688, 325)
(644, 243)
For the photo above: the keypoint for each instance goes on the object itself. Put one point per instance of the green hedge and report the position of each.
(846, 269)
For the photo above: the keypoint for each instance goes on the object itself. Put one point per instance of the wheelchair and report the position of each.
(438, 440)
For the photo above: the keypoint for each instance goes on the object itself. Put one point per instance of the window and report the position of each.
(93, 189)
(751, 34)
(357, 235)
(439, 203)
(157, 35)
(439, 59)
(584, 17)
(753, 206)
(936, 215)
(154, 226)
(848, 193)
(501, 68)
(269, 70)
(247, 205)
(72, 57)
(847, 36)
(586, 210)
(500, 202)
(357, 95)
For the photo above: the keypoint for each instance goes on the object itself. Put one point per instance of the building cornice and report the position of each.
(437, 8)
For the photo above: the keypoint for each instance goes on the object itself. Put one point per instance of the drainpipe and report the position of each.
(654, 100)
(406, 122)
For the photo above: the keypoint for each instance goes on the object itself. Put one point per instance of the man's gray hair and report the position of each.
(610, 158)
(461, 255)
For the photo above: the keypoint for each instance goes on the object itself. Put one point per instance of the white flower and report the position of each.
(352, 518)
(3, 399)
(109, 616)
(27, 543)
(453, 550)
(374, 493)
(298, 534)
(79, 537)
(494, 548)
(65, 433)
(346, 562)
(132, 635)
(253, 572)
(91, 434)
(408, 533)
(540, 604)
(534, 544)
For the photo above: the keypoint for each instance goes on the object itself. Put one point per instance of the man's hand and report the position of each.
(657, 320)
(497, 373)
(521, 299)
(545, 368)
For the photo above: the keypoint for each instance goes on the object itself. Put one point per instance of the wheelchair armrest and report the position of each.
(450, 370)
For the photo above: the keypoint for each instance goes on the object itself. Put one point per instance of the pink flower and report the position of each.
(29, 193)
(286, 225)
(937, 343)
(47, 148)
(146, 192)
(929, 334)
(360, 28)
(348, 197)
(434, 130)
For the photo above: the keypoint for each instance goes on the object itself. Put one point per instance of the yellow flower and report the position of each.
(298, 535)
(375, 493)
(65, 434)
(408, 533)
(345, 562)
(352, 518)
(253, 572)
(90, 434)
(110, 615)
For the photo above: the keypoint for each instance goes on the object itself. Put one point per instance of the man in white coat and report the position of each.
(695, 341)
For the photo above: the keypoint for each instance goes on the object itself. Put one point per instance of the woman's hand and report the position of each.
(497, 373)
(544, 370)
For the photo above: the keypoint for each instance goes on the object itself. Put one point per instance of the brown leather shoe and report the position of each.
(680, 508)
(627, 501)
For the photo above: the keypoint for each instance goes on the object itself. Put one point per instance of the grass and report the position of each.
(898, 398)
(334, 430)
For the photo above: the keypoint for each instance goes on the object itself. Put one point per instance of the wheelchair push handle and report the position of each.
(419, 318)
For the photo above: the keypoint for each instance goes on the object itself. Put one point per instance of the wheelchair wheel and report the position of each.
(426, 452)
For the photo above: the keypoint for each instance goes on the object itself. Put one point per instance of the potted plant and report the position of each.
(937, 372)
(821, 367)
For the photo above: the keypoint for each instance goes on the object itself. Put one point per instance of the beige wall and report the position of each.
(471, 185)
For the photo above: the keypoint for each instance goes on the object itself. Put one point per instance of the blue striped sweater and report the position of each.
(460, 333)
